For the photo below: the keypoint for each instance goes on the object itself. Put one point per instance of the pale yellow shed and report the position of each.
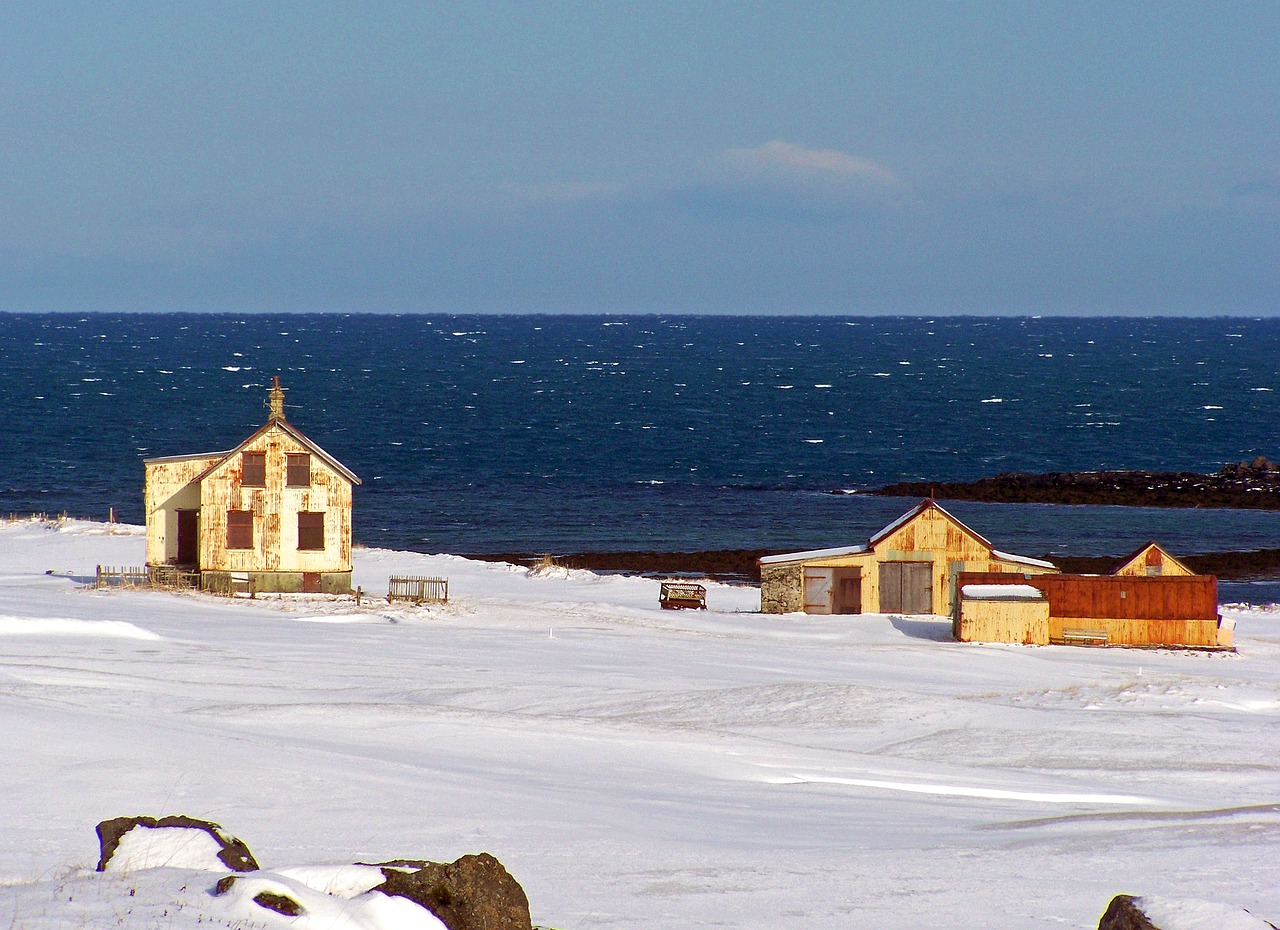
(909, 567)
(1002, 613)
(1152, 561)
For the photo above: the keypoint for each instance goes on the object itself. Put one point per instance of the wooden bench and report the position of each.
(418, 589)
(1080, 636)
(682, 596)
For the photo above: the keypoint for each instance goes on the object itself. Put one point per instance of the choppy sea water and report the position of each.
(556, 434)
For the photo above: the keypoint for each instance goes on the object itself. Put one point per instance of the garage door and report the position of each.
(906, 587)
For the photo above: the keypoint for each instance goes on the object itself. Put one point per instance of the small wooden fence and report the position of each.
(418, 589)
(110, 576)
(174, 576)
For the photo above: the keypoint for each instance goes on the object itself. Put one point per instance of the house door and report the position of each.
(847, 596)
(188, 537)
(906, 587)
(817, 590)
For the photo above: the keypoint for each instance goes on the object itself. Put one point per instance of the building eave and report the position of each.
(786, 557)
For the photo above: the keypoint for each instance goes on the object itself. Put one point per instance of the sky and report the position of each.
(709, 157)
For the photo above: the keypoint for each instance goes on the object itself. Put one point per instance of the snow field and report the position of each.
(630, 766)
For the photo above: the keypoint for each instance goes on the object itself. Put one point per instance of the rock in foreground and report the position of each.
(472, 893)
(132, 843)
(1127, 912)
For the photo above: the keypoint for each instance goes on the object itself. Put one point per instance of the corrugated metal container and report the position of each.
(1002, 613)
(1128, 610)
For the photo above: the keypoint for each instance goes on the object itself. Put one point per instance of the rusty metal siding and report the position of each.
(1152, 561)
(1003, 621)
(169, 487)
(275, 510)
(1133, 610)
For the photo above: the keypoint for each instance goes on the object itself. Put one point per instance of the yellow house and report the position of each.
(1152, 560)
(909, 567)
(274, 512)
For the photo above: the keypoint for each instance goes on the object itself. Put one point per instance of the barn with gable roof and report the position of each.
(909, 567)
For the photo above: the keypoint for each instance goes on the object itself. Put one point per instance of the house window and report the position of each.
(310, 530)
(298, 473)
(239, 529)
(253, 469)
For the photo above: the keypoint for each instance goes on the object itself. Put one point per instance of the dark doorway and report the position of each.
(188, 537)
(847, 594)
(906, 587)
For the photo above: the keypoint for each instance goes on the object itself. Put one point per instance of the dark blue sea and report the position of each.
(482, 434)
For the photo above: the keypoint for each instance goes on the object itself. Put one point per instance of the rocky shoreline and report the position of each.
(739, 565)
(1246, 486)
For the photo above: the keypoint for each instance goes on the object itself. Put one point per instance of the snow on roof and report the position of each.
(892, 527)
(1002, 592)
(811, 554)
(1025, 560)
(927, 504)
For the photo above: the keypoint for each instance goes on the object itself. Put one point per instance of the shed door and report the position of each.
(906, 587)
(847, 597)
(188, 537)
(817, 590)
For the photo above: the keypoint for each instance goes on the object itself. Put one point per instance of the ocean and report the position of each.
(483, 434)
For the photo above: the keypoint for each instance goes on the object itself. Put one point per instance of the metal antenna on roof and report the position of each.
(276, 399)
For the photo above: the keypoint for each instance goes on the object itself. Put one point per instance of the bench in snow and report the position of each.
(1079, 636)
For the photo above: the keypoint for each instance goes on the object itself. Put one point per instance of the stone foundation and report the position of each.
(781, 589)
(274, 582)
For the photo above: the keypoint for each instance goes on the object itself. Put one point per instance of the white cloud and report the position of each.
(781, 180)
(779, 160)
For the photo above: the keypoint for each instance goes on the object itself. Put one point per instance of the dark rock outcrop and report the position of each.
(272, 901)
(280, 903)
(475, 892)
(1251, 486)
(232, 852)
(1124, 913)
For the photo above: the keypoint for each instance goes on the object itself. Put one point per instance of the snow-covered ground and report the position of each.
(632, 767)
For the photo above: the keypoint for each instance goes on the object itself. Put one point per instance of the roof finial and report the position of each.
(277, 399)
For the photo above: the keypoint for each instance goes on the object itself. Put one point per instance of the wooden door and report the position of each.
(188, 537)
(906, 587)
(817, 590)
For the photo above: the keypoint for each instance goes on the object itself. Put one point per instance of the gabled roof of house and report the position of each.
(881, 535)
(1142, 550)
(298, 435)
(925, 505)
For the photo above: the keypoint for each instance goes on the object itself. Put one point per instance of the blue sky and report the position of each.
(1028, 158)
